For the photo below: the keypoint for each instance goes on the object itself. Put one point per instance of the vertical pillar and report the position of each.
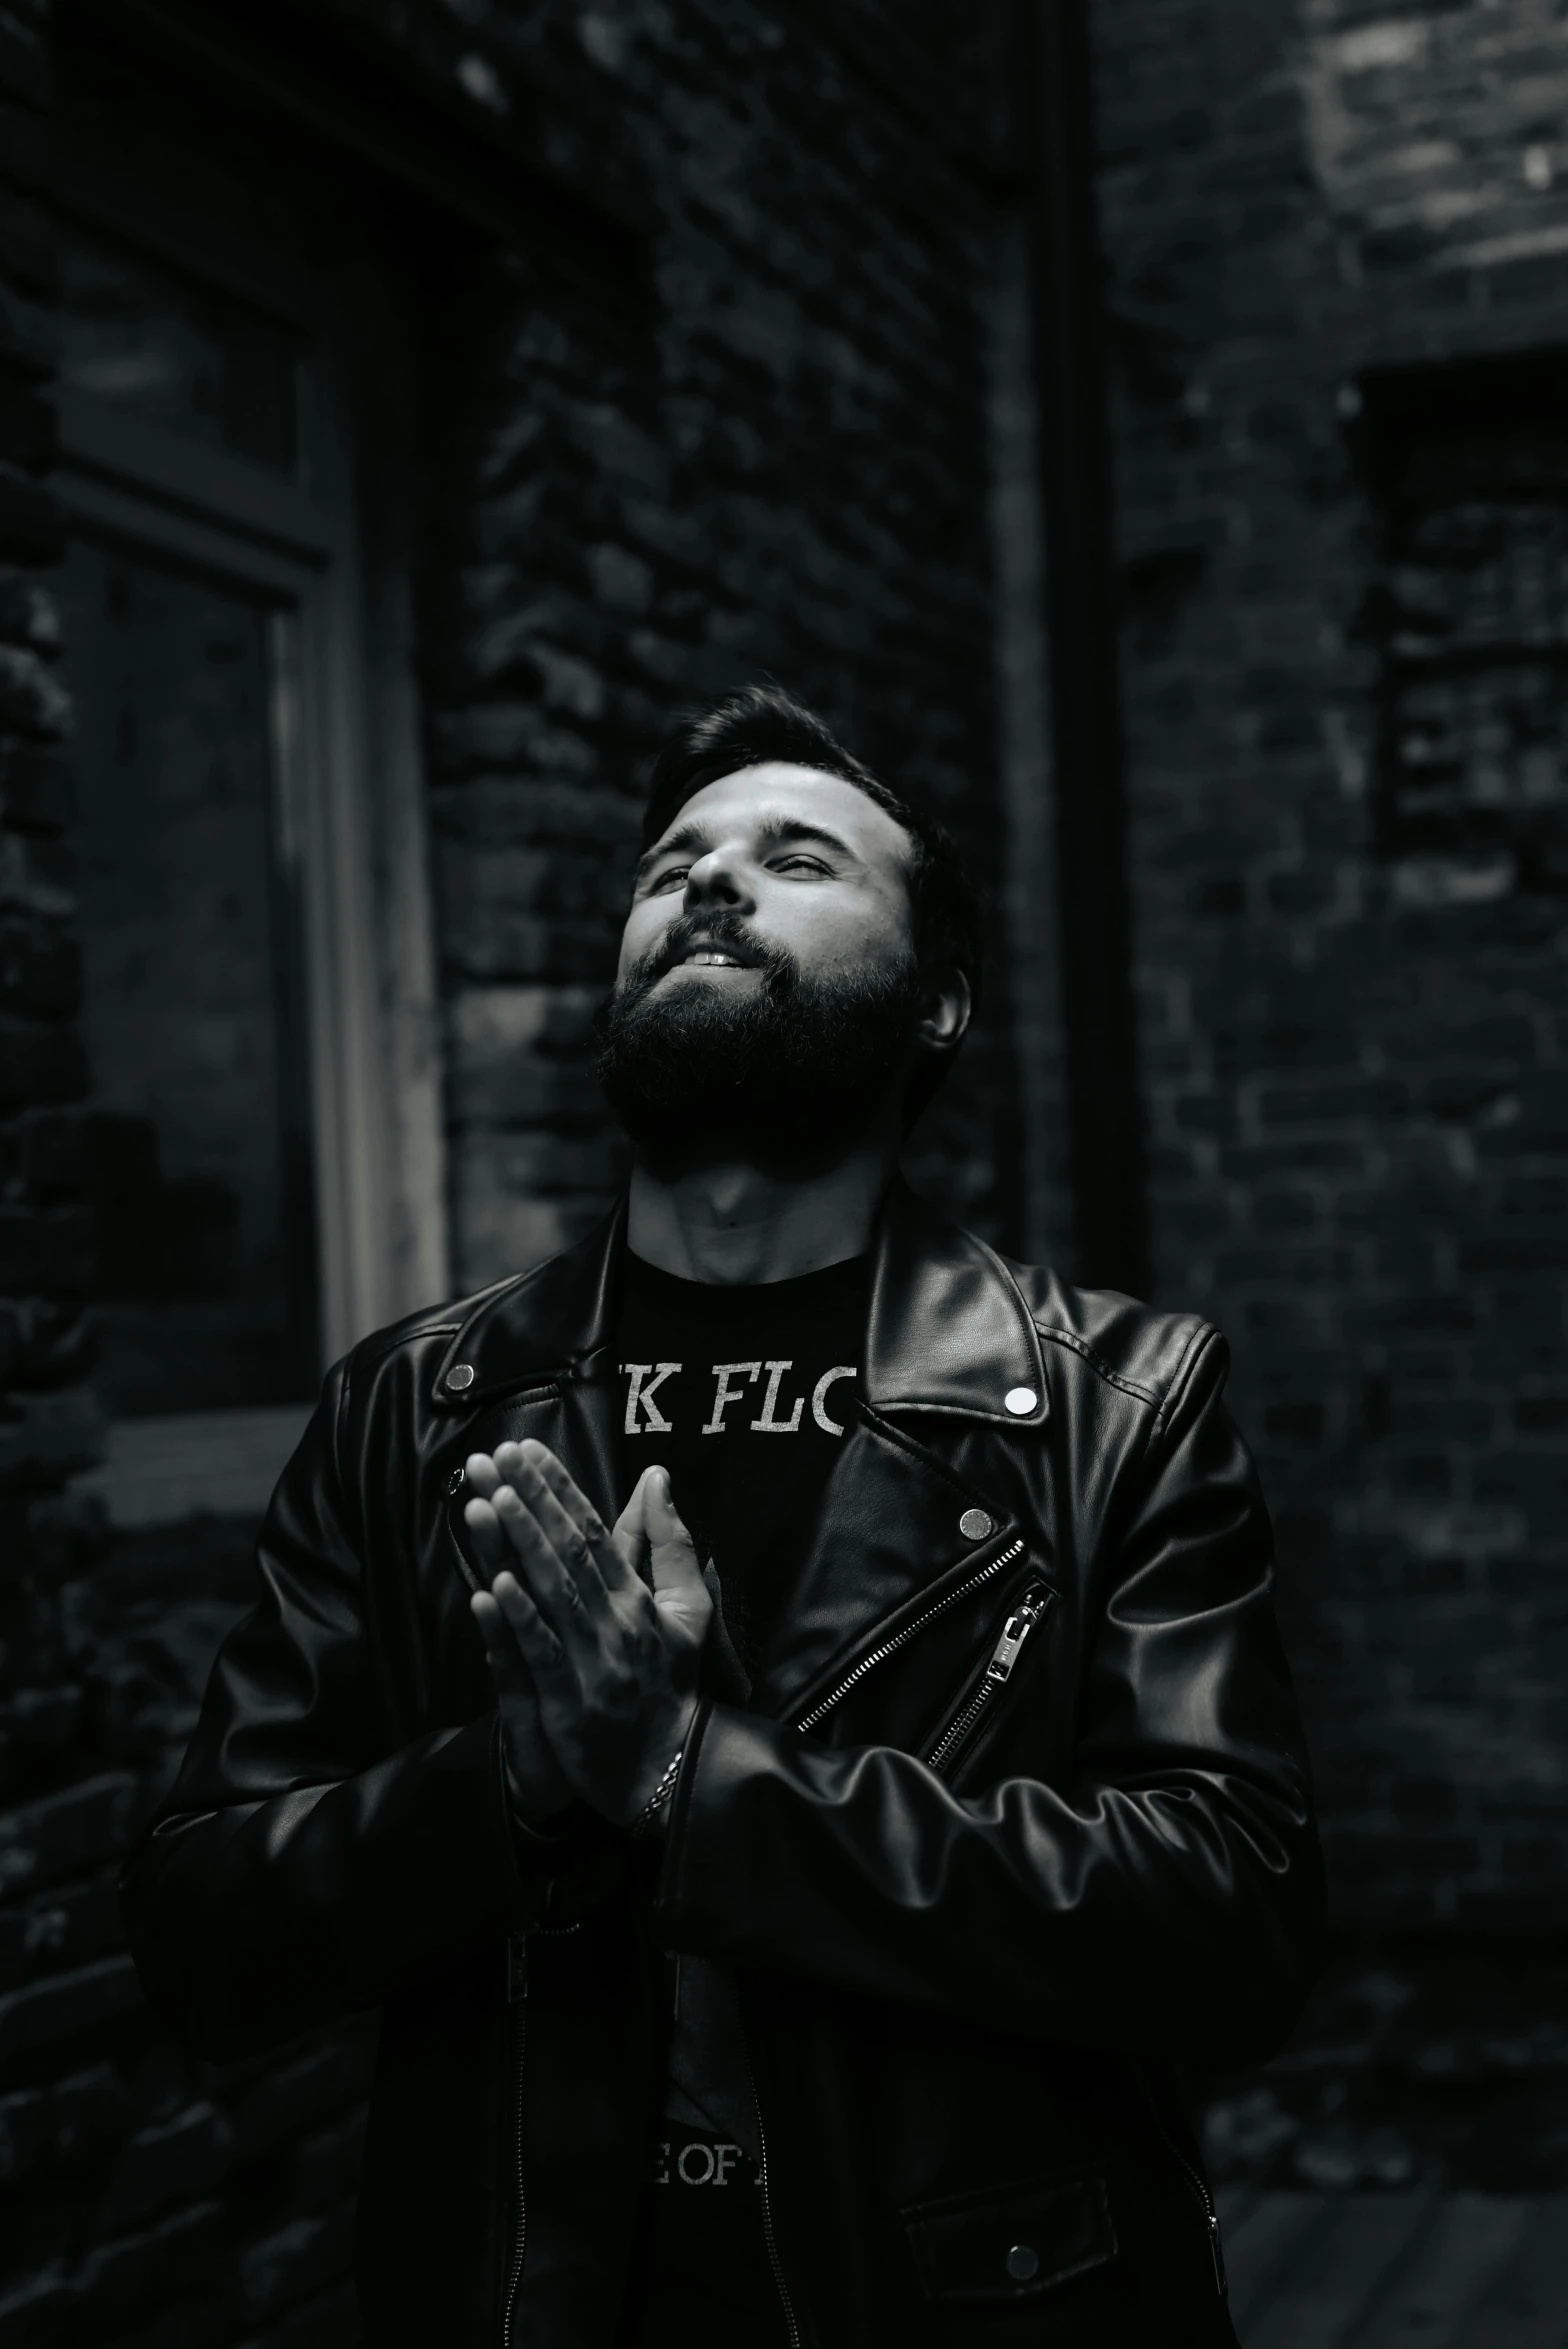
(1023, 688)
(1105, 1154)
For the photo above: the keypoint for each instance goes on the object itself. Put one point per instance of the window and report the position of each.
(245, 774)
(207, 1285)
(1471, 468)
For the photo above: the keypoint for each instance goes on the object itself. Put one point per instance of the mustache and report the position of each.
(725, 930)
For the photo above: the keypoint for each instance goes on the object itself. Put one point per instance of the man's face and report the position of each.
(805, 862)
(767, 987)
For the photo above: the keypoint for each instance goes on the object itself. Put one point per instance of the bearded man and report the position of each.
(780, 1708)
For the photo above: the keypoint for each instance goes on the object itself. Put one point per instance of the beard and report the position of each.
(785, 1073)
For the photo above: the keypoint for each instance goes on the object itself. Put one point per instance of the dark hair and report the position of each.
(763, 722)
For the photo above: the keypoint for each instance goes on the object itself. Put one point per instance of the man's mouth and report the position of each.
(703, 956)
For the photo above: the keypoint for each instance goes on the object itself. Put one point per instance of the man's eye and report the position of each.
(670, 874)
(798, 864)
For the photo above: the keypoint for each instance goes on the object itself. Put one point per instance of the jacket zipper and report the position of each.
(890, 1647)
(1199, 2185)
(808, 1720)
(517, 1996)
(998, 1671)
(774, 2259)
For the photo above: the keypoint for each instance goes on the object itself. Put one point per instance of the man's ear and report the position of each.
(944, 1018)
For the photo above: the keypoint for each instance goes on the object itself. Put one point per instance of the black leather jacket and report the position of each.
(1017, 1819)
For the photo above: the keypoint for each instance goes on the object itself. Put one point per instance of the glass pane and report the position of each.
(207, 1268)
(176, 353)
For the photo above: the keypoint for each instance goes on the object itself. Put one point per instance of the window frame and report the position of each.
(351, 808)
(1398, 400)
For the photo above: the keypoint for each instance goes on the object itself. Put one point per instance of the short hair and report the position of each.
(763, 723)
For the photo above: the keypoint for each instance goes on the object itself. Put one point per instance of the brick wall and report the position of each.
(1352, 1026)
(779, 468)
(776, 461)
(141, 2198)
(1354, 1023)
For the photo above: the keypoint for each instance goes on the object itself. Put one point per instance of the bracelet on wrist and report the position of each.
(660, 1795)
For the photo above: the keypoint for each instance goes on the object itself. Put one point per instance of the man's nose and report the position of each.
(719, 878)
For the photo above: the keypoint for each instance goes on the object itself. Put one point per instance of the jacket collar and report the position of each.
(949, 1330)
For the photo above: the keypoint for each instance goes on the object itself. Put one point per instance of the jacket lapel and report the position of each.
(949, 1331)
(949, 1339)
(888, 1544)
(548, 1338)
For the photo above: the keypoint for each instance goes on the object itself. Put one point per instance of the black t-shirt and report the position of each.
(740, 1393)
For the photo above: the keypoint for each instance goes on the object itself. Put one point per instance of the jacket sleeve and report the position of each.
(302, 1865)
(1165, 1898)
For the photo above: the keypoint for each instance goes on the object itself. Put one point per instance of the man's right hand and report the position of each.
(540, 1792)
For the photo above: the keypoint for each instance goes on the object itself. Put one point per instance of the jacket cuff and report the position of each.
(536, 1837)
(557, 1874)
(531, 1858)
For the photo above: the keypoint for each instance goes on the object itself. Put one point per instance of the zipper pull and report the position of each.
(516, 1968)
(1014, 1632)
(1216, 2253)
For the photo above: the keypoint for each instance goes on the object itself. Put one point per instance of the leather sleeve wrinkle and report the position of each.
(1170, 1891)
(1138, 1917)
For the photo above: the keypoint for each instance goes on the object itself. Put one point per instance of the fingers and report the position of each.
(516, 1523)
(591, 1565)
(610, 1666)
(578, 1510)
(532, 1640)
(532, 1524)
(502, 1653)
(538, 1785)
(555, 1586)
(482, 1474)
(491, 1548)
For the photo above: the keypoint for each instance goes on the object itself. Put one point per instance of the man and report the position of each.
(780, 1707)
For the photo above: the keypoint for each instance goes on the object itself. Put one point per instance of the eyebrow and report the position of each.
(771, 833)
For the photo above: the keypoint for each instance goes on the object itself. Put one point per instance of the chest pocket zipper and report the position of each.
(968, 1720)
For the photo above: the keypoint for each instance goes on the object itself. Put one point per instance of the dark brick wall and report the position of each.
(147, 2198)
(1353, 1026)
(141, 2198)
(774, 460)
(779, 468)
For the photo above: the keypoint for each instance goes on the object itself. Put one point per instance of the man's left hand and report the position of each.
(614, 1662)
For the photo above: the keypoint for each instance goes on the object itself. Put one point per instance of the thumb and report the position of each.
(672, 1552)
(678, 1587)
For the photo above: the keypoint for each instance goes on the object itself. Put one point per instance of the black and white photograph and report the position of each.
(783, 1174)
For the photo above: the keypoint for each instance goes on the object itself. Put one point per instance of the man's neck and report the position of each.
(731, 1222)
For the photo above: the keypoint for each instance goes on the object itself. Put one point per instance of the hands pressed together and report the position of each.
(593, 1635)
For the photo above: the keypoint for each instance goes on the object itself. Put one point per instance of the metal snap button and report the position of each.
(1023, 2263)
(461, 1375)
(974, 1525)
(1020, 1401)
